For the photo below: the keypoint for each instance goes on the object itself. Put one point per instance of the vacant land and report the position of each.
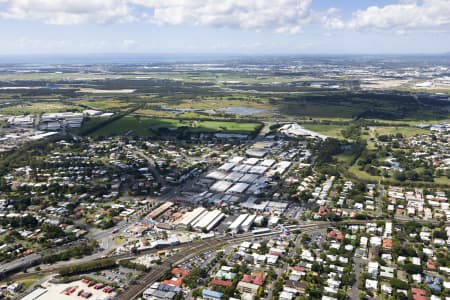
(334, 131)
(147, 127)
(107, 105)
(38, 107)
(406, 131)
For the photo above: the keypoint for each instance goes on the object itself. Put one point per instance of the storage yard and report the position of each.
(73, 290)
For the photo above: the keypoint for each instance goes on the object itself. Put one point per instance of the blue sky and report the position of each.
(224, 26)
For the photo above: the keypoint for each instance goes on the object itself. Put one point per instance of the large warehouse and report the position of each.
(248, 223)
(209, 220)
(160, 210)
(189, 217)
(236, 225)
(238, 188)
(221, 186)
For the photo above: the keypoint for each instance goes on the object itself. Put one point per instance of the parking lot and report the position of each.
(200, 260)
(120, 276)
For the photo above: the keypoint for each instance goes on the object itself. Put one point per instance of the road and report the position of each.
(185, 252)
(151, 166)
(379, 205)
(354, 292)
(107, 237)
(188, 252)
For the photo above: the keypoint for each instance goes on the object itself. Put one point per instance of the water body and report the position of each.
(242, 110)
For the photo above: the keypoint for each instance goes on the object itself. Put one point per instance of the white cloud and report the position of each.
(405, 16)
(331, 19)
(282, 16)
(287, 16)
(67, 12)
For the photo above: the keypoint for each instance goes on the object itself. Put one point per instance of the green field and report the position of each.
(345, 157)
(107, 105)
(147, 127)
(362, 175)
(392, 130)
(334, 131)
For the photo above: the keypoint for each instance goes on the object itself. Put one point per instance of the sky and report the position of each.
(224, 26)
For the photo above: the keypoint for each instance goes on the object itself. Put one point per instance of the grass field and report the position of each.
(212, 102)
(362, 175)
(38, 107)
(409, 122)
(30, 280)
(148, 127)
(166, 114)
(345, 157)
(442, 180)
(107, 105)
(119, 240)
(404, 130)
(334, 131)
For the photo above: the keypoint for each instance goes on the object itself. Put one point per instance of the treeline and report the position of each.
(73, 252)
(88, 267)
(102, 123)
(26, 155)
(327, 149)
(389, 106)
(127, 263)
(27, 221)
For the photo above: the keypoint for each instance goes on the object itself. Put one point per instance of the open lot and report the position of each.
(146, 127)
(334, 131)
(106, 105)
(392, 130)
(38, 107)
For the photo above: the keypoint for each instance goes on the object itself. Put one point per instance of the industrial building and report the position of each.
(221, 186)
(236, 159)
(22, 121)
(56, 121)
(199, 218)
(236, 225)
(247, 224)
(189, 217)
(160, 210)
(242, 168)
(260, 170)
(251, 161)
(238, 188)
(248, 178)
(226, 167)
(209, 220)
(216, 175)
(234, 176)
(267, 163)
(280, 168)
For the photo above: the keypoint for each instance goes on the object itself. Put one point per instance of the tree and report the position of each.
(412, 269)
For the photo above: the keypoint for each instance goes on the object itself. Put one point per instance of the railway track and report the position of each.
(155, 274)
(186, 251)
